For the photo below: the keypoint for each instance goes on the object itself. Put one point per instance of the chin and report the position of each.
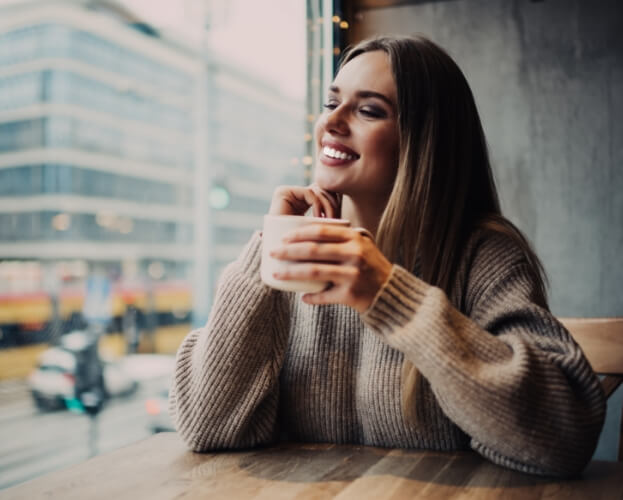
(329, 182)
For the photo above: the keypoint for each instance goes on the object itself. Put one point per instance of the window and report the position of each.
(143, 160)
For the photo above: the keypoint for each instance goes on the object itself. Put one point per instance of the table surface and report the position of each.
(161, 467)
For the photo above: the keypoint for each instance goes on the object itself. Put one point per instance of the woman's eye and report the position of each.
(330, 105)
(372, 112)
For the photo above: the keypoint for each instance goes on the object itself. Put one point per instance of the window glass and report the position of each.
(140, 143)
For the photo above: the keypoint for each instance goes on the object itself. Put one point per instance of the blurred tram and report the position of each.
(37, 316)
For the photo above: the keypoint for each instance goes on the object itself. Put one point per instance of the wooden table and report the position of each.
(162, 468)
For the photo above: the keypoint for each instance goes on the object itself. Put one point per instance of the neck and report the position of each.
(366, 215)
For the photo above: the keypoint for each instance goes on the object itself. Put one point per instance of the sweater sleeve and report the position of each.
(225, 388)
(508, 373)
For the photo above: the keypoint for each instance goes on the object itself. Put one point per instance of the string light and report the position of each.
(156, 270)
(125, 225)
(61, 222)
(344, 25)
(105, 219)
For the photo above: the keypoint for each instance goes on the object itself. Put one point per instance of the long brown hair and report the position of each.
(444, 187)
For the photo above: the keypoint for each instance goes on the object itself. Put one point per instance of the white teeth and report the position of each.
(338, 155)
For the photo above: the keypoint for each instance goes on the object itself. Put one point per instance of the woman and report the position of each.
(436, 336)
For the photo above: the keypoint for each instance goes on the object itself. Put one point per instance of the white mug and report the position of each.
(275, 228)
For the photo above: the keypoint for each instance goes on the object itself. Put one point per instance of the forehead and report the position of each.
(368, 71)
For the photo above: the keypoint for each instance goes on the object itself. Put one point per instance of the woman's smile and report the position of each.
(334, 154)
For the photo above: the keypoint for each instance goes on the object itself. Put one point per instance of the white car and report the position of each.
(61, 370)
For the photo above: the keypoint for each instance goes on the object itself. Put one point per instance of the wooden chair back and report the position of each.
(601, 339)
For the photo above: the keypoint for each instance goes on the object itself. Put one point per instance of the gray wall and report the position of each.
(548, 80)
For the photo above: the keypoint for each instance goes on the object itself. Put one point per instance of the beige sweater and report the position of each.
(499, 373)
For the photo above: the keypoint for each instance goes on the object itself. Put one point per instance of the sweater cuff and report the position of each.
(396, 302)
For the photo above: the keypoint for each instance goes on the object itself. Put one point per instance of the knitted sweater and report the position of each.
(498, 373)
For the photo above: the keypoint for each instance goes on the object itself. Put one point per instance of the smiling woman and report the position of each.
(433, 333)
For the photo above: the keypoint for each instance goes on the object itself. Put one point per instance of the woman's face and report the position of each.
(357, 134)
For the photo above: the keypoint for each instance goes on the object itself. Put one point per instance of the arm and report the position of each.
(509, 375)
(225, 388)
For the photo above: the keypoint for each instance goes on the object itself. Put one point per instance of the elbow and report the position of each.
(564, 457)
(195, 442)
(561, 446)
(194, 435)
(556, 466)
(567, 456)
(203, 442)
(203, 434)
(192, 431)
(187, 425)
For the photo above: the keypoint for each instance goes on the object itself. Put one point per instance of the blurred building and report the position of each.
(100, 156)
(256, 142)
(96, 150)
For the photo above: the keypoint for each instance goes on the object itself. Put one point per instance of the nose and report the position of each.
(336, 120)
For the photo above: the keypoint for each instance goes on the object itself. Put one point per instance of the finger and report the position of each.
(336, 201)
(313, 251)
(317, 208)
(331, 202)
(290, 200)
(333, 295)
(316, 200)
(364, 232)
(321, 233)
(317, 272)
(324, 205)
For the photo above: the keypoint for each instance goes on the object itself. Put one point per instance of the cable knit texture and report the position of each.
(498, 373)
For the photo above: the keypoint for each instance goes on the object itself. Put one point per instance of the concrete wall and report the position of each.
(548, 80)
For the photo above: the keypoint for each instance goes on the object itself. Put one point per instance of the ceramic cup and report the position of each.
(275, 228)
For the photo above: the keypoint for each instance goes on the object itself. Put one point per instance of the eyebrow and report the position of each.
(366, 93)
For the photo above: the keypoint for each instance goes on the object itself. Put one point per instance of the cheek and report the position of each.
(392, 146)
(383, 147)
(386, 154)
(319, 127)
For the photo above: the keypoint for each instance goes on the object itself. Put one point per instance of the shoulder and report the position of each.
(490, 250)
(498, 255)
(487, 248)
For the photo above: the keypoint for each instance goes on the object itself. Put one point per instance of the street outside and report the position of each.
(33, 442)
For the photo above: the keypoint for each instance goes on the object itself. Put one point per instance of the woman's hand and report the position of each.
(348, 260)
(296, 200)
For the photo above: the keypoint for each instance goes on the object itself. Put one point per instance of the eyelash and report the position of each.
(367, 112)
